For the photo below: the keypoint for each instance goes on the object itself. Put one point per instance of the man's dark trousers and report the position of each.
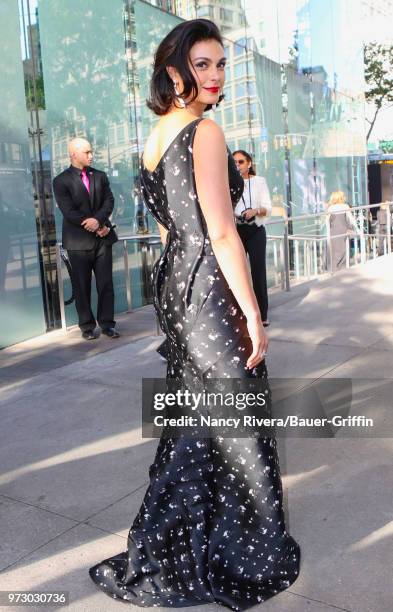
(83, 263)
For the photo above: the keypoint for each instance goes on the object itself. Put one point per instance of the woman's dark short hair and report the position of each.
(174, 50)
(248, 158)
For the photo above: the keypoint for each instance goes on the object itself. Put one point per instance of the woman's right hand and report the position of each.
(259, 339)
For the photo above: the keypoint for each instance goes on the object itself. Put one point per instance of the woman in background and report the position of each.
(341, 223)
(382, 218)
(251, 212)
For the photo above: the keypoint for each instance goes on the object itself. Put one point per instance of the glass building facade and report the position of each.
(293, 99)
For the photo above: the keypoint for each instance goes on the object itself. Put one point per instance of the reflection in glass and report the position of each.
(21, 299)
(293, 99)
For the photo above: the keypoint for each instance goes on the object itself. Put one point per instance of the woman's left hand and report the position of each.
(249, 213)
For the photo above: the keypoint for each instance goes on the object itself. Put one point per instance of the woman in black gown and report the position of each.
(211, 526)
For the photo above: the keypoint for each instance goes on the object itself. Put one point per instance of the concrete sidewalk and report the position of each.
(74, 465)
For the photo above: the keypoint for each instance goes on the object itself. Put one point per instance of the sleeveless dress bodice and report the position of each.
(194, 303)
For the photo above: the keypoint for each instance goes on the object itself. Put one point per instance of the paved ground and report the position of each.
(74, 465)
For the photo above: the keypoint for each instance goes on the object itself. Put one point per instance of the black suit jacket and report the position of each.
(76, 205)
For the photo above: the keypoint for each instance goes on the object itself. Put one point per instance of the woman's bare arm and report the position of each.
(211, 177)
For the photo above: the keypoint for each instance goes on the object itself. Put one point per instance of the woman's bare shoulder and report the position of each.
(208, 127)
(209, 136)
(151, 144)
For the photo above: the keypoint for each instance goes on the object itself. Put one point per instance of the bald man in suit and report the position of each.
(85, 199)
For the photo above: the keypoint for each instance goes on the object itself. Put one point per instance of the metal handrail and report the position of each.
(286, 239)
(280, 255)
(323, 214)
(323, 238)
(151, 239)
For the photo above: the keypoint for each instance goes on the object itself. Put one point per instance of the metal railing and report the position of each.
(317, 249)
(147, 243)
(288, 250)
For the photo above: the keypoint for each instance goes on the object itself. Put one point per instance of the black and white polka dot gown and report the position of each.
(211, 526)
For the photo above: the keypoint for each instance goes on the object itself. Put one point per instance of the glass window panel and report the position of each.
(240, 70)
(252, 90)
(218, 116)
(21, 299)
(228, 116)
(241, 90)
(241, 112)
(226, 15)
(111, 135)
(269, 158)
(239, 46)
(243, 144)
(120, 134)
(205, 11)
(253, 111)
(86, 93)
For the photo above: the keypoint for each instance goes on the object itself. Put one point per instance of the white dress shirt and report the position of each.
(255, 195)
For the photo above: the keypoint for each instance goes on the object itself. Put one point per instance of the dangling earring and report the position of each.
(178, 96)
